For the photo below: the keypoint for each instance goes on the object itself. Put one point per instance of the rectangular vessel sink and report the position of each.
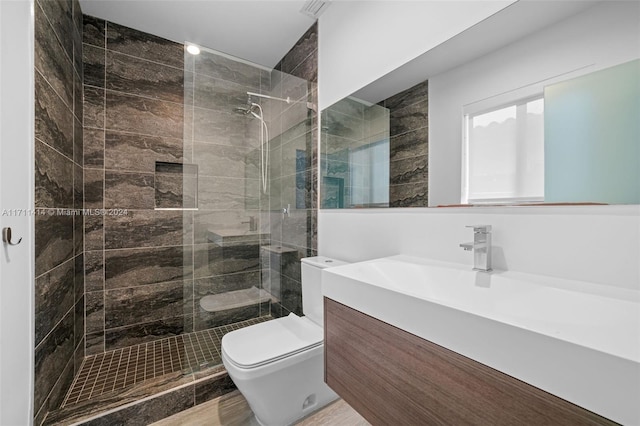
(577, 340)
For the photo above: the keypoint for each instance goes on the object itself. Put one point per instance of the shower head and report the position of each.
(248, 109)
(245, 109)
(242, 110)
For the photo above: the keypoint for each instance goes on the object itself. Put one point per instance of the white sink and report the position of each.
(577, 340)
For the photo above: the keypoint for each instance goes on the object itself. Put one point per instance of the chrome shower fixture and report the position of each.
(274, 98)
(264, 138)
(287, 100)
(264, 130)
(249, 109)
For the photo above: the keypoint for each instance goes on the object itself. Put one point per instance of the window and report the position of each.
(504, 153)
(369, 174)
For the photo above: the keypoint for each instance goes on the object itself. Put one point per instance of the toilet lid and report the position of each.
(269, 341)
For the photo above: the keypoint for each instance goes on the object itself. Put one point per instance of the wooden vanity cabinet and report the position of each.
(392, 377)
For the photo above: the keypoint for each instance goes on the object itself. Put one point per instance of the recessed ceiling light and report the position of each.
(193, 49)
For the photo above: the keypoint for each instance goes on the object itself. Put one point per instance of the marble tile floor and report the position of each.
(232, 410)
(122, 368)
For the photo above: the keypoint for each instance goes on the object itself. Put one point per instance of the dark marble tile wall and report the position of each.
(293, 173)
(302, 59)
(136, 257)
(409, 146)
(59, 264)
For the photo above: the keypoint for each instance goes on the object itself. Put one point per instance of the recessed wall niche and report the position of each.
(176, 186)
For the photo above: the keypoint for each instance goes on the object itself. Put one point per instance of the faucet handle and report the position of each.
(480, 228)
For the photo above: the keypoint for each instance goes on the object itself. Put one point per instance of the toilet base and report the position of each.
(286, 390)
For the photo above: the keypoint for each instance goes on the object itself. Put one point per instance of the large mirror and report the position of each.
(538, 104)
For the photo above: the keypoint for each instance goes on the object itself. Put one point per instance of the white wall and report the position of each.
(600, 37)
(16, 192)
(597, 244)
(360, 41)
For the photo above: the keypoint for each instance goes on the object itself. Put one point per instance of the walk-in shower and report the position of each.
(232, 275)
(197, 245)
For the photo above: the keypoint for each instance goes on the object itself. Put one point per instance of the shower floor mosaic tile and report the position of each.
(122, 368)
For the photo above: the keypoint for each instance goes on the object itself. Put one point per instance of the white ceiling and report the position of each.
(260, 31)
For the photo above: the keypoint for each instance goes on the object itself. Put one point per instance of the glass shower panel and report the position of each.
(292, 152)
(245, 132)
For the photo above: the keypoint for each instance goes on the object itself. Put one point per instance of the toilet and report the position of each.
(278, 365)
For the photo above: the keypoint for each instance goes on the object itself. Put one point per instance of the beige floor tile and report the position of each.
(232, 410)
(338, 413)
(228, 410)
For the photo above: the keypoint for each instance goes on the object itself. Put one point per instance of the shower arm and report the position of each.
(287, 100)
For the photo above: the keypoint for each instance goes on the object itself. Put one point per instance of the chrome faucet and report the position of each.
(253, 223)
(481, 247)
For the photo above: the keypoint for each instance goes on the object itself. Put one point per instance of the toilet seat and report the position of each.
(270, 341)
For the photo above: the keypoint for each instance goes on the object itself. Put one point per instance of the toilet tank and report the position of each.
(312, 306)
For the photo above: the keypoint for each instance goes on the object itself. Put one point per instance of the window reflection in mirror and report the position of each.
(504, 154)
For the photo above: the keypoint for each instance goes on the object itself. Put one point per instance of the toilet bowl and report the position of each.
(279, 365)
